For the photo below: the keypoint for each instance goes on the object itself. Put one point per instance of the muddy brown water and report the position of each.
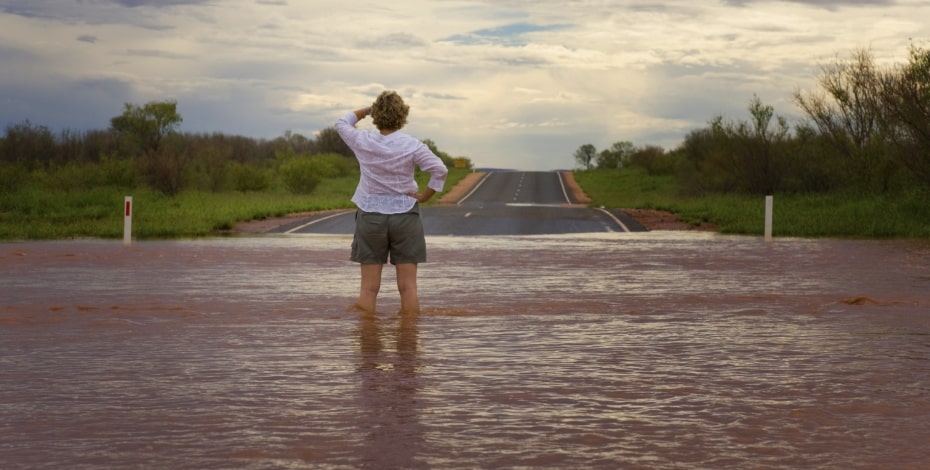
(654, 350)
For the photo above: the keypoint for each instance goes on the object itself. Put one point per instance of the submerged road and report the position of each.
(501, 203)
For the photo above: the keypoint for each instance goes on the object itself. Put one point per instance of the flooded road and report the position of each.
(648, 350)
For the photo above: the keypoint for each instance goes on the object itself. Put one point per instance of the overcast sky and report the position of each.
(509, 83)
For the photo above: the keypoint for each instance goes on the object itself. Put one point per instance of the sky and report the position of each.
(514, 84)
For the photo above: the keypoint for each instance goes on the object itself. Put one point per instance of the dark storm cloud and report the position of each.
(205, 113)
(101, 12)
(95, 13)
(89, 104)
(10, 55)
(65, 10)
(23, 8)
(58, 104)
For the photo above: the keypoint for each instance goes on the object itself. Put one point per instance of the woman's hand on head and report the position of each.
(360, 113)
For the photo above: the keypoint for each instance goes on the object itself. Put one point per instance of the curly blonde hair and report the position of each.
(389, 112)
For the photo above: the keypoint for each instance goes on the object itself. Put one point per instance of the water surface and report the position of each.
(654, 350)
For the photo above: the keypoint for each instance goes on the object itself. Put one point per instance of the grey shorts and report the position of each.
(398, 235)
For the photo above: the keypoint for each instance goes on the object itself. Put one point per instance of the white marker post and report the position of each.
(768, 218)
(127, 222)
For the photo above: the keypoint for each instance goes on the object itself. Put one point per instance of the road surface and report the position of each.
(502, 203)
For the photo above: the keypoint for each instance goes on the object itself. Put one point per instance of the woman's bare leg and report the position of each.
(407, 286)
(371, 284)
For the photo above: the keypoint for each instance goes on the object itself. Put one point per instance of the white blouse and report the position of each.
(387, 165)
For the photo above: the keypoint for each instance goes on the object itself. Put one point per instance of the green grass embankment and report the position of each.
(904, 214)
(32, 213)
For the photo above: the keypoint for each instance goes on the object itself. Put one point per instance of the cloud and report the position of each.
(392, 41)
(443, 96)
(137, 13)
(13, 56)
(78, 104)
(511, 35)
(160, 54)
(507, 82)
(158, 3)
(827, 4)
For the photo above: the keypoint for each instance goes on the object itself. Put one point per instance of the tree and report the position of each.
(850, 114)
(144, 127)
(165, 168)
(144, 130)
(905, 96)
(616, 156)
(445, 157)
(210, 168)
(753, 159)
(329, 141)
(28, 144)
(585, 155)
(654, 159)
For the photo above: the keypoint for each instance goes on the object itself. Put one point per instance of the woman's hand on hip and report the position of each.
(422, 196)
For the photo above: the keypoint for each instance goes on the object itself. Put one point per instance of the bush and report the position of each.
(301, 175)
(164, 168)
(118, 172)
(248, 178)
(73, 177)
(341, 166)
(12, 177)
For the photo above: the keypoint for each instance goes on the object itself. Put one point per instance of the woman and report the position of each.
(387, 222)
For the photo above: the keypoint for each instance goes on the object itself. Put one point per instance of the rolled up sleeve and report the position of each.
(427, 161)
(345, 126)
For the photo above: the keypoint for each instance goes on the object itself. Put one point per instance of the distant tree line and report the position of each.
(144, 145)
(867, 129)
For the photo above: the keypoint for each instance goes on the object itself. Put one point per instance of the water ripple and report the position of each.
(658, 350)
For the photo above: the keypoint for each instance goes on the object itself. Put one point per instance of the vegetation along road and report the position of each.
(501, 203)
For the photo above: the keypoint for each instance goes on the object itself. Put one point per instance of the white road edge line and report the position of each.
(615, 219)
(474, 189)
(316, 220)
(620, 223)
(564, 192)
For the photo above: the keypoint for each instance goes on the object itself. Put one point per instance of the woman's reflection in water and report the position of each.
(388, 390)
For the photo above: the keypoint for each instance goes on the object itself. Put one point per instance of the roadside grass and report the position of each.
(32, 213)
(905, 214)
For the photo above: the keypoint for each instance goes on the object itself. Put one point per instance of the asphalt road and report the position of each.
(502, 203)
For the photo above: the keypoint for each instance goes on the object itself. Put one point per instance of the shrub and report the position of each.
(302, 175)
(341, 165)
(118, 172)
(73, 177)
(12, 177)
(248, 178)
